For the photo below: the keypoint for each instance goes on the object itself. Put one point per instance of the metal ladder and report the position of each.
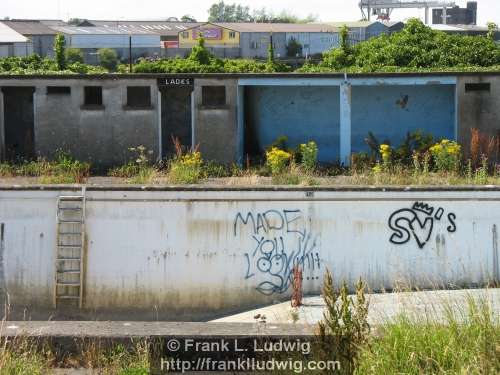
(70, 251)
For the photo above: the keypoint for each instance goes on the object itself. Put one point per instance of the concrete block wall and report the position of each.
(101, 136)
(478, 109)
(215, 130)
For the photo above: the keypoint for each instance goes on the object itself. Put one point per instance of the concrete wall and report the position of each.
(390, 112)
(102, 136)
(215, 130)
(301, 113)
(478, 109)
(159, 255)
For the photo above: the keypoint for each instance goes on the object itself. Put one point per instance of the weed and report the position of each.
(186, 169)
(308, 156)
(344, 328)
(278, 161)
(466, 342)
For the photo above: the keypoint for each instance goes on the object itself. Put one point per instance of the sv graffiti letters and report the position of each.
(281, 241)
(418, 223)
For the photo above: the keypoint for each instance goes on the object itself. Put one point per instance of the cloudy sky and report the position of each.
(326, 10)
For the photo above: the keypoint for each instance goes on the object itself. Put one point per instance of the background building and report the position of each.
(457, 15)
(91, 39)
(13, 44)
(168, 32)
(251, 40)
(38, 32)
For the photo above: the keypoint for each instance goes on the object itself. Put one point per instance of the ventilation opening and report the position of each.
(58, 90)
(93, 96)
(477, 87)
(214, 96)
(139, 97)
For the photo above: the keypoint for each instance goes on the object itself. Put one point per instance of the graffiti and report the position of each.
(418, 222)
(281, 241)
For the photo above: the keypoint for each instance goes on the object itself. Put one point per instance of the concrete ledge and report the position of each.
(145, 330)
(286, 188)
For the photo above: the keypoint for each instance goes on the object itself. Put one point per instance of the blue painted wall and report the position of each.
(392, 111)
(301, 113)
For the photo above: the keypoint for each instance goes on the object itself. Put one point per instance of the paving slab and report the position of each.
(383, 307)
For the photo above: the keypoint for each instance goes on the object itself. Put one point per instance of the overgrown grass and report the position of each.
(32, 357)
(63, 169)
(466, 342)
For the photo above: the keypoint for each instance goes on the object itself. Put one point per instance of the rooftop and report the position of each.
(276, 27)
(155, 27)
(104, 30)
(8, 35)
(31, 27)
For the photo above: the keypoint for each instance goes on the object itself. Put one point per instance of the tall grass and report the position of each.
(467, 341)
(63, 169)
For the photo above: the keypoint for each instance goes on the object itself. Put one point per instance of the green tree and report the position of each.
(492, 30)
(108, 58)
(270, 51)
(200, 53)
(188, 18)
(75, 21)
(222, 12)
(293, 48)
(59, 51)
(74, 55)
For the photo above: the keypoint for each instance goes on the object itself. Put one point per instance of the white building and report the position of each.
(13, 44)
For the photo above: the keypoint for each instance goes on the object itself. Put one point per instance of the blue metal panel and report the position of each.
(301, 113)
(364, 81)
(390, 112)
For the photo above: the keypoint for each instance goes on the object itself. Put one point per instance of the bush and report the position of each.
(108, 58)
(74, 55)
(278, 160)
(446, 155)
(293, 48)
(308, 155)
(186, 169)
(344, 329)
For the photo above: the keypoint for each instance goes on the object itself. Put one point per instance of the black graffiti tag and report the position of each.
(281, 242)
(417, 222)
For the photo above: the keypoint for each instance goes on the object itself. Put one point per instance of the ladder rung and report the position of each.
(62, 283)
(71, 272)
(70, 197)
(69, 208)
(71, 233)
(69, 246)
(68, 297)
(68, 259)
(70, 222)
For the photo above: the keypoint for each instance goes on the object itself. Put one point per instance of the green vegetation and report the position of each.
(222, 12)
(200, 60)
(108, 59)
(293, 48)
(74, 55)
(466, 342)
(34, 357)
(60, 51)
(416, 48)
(344, 329)
(34, 64)
(63, 169)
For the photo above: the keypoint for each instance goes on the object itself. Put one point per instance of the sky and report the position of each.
(326, 10)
